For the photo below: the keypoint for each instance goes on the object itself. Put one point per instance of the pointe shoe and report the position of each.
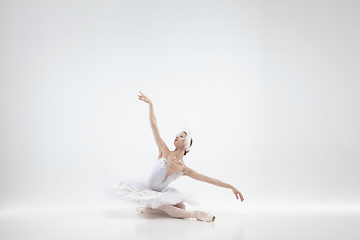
(202, 216)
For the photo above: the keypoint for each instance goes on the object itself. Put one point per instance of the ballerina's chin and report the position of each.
(154, 194)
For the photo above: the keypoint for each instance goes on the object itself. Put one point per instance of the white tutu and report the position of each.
(152, 193)
(141, 194)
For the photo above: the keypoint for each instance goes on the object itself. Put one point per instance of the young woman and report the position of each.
(155, 194)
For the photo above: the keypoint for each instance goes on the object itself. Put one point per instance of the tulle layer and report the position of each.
(137, 192)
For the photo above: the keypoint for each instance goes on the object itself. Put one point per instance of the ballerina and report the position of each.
(155, 194)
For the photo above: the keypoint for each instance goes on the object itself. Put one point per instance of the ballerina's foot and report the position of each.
(140, 209)
(202, 216)
(145, 210)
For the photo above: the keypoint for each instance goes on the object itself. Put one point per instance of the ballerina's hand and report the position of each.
(144, 98)
(237, 192)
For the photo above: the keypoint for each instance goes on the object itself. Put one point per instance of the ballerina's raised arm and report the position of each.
(163, 149)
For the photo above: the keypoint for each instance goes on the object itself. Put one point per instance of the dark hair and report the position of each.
(190, 146)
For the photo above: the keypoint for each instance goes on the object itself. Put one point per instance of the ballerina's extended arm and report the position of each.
(163, 149)
(200, 177)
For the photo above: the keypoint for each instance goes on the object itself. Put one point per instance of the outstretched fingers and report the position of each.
(241, 197)
(142, 96)
(238, 195)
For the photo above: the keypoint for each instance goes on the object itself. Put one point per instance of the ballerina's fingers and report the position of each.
(142, 97)
(241, 197)
(237, 192)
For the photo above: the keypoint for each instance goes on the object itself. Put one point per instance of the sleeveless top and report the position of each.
(156, 180)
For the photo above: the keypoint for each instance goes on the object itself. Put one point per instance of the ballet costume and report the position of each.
(156, 194)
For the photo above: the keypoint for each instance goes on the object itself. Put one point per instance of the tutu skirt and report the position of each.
(138, 192)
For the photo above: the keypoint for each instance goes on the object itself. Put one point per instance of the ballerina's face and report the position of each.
(180, 139)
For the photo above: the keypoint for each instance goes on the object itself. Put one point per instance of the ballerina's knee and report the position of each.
(180, 205)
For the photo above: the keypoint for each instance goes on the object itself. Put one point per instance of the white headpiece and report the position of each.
(187, 139)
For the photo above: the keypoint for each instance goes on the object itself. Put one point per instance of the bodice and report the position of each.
(157, 180)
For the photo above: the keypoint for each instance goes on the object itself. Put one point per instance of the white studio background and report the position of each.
(270, 90)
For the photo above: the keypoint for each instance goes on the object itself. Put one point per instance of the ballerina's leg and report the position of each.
(154, 210)
(148, 210)
(175, 211)
(181, 213)
(180, 205)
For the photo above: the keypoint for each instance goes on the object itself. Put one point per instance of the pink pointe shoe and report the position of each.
(202, 216)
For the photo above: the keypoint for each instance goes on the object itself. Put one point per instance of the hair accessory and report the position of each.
(187, 139)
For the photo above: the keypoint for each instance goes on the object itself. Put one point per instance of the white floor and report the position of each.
(260, 222)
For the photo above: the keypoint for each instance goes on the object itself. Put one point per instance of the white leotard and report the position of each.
(156, 180)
